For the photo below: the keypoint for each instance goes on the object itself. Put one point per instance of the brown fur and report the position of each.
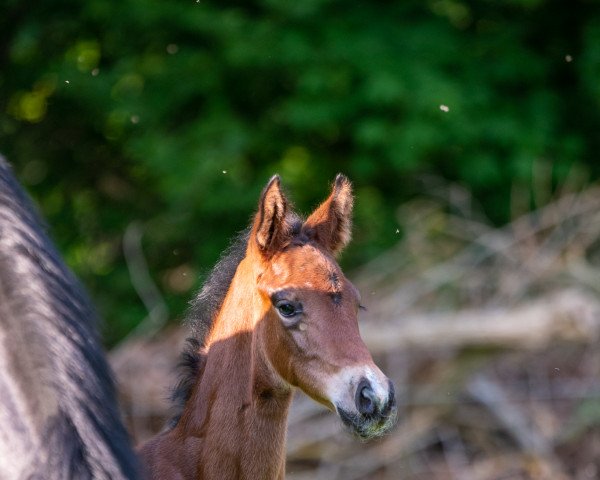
(233, 424)
(331, 222)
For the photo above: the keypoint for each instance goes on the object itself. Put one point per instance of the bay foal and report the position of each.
(276, 313)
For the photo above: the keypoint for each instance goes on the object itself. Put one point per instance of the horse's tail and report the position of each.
(58, 411)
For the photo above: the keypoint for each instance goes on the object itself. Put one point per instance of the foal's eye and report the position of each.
(287, 309)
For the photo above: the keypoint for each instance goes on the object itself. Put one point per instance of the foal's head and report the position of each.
(309, 328)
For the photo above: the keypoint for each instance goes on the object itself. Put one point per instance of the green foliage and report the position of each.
(176, 113)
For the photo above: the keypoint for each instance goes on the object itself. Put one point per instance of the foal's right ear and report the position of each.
(331, 223)
(270, 230)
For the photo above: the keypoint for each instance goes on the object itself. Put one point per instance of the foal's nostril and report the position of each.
(366, 402)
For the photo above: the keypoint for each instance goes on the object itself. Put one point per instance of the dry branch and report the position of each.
(568, 315)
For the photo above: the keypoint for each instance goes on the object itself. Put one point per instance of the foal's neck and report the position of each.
(234, 424)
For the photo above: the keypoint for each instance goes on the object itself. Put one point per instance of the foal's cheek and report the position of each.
(297, 348)
(280, 347)
(297, 342)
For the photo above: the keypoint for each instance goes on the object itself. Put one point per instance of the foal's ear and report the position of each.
(270, 229)
(331, 223)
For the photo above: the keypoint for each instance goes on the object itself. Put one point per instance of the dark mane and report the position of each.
(205, 306)
(58, 408)
(209, 299)
(202, 311)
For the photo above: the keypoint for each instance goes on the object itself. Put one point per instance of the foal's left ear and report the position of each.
(270, 229)
(331, 223)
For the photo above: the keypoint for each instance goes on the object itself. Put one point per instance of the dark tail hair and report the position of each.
(58, 410)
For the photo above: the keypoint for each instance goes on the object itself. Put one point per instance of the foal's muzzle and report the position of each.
(374, 416)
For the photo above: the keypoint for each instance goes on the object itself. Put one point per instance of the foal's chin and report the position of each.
(367, 427)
